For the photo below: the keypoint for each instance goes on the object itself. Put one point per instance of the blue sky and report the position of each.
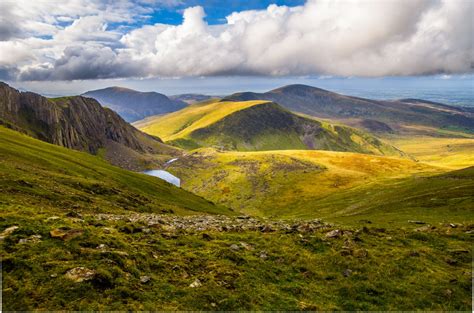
(175, 46)
(216, 10)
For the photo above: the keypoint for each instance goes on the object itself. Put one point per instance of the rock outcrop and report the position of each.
(74, 122)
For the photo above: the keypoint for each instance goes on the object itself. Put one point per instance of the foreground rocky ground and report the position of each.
(219, 223)
(143, 261)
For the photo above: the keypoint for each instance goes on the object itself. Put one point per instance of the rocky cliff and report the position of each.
(74, 122)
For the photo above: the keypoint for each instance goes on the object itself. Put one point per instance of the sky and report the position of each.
(71, 46)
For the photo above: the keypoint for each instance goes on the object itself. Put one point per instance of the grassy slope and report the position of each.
(38, 175)
(308, 183)
(447, 197)
(372, 269)
(181, 123)
(453, 153)
(257, 126)
(366, 269)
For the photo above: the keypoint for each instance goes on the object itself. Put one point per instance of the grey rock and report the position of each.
(196, 283)
(334, 234)
(80, 274)
(8, 231)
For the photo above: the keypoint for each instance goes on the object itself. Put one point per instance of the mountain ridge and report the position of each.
(75, 122)
(258, 126)
(134, 105)
(354, 110)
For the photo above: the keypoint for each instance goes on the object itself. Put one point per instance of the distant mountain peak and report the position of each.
(133, 105)
(354, 111)
(299, 88)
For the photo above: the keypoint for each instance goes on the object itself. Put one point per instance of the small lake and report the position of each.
(167, 176)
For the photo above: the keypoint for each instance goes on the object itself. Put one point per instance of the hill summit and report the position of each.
(258, 126)
(362, 112)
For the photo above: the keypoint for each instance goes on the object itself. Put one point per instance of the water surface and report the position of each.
(165, 175)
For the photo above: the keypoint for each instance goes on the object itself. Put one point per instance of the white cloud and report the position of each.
(323, 37)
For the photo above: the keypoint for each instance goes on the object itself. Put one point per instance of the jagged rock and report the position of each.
(66, 235)
(8, 231)
(145, 279)
(80, 274)
(101, 247)
(31, 239)
(334, 234)
(170, 225)
(196, 283)
(74, 122)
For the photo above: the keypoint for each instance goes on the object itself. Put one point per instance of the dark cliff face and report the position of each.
(74, 122)
(134, 105)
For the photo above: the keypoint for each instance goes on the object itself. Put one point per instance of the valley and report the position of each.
(277, 208)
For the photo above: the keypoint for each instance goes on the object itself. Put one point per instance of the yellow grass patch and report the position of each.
(181, 123)
(452, 153)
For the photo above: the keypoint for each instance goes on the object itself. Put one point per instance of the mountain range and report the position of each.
(134, 105)
(373, 115)
(78, 123)
(258, 125)
(278, 208)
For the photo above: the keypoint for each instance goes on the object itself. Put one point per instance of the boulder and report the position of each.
(8, 231)
(80, 274)
(334, 234)
(195, 284)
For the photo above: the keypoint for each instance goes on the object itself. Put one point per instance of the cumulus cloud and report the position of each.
(321, 37)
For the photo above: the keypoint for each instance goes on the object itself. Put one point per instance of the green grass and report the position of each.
(38, 175)
(440, 198)
(402, 269)
(382, 262)
(337, 186)
(258, 126)
(451, 153)
(181, 123)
